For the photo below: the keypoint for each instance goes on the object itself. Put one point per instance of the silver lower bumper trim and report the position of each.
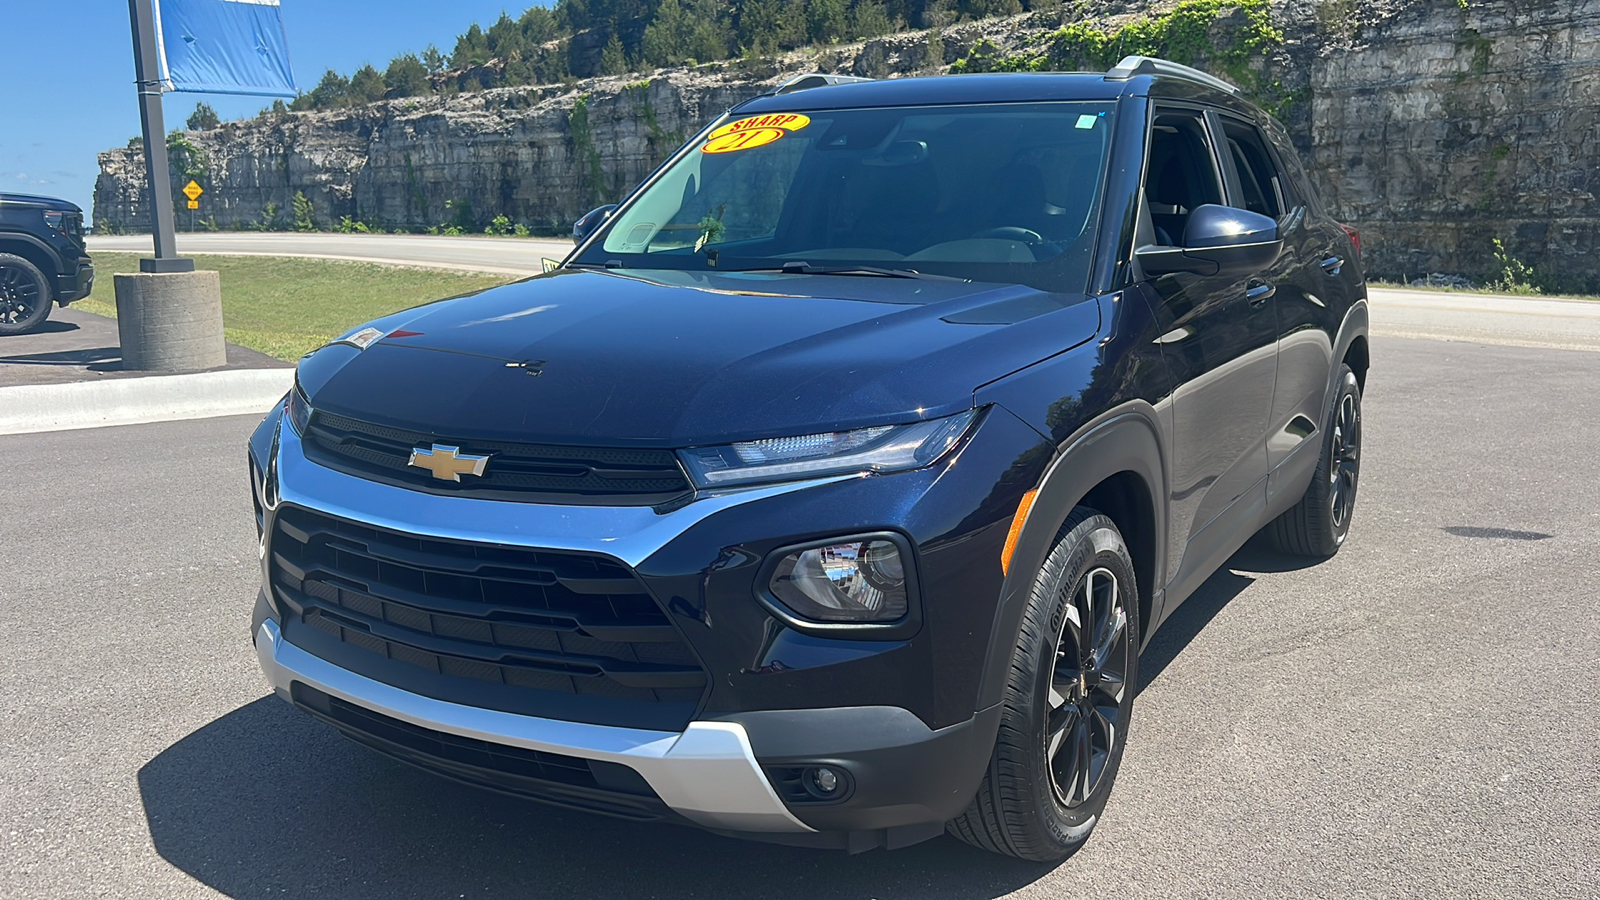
(708, 774)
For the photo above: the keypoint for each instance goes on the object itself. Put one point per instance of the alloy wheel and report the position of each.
(1088, 686)
(19, 296)
(1345, 467)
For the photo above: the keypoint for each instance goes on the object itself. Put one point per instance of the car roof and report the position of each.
(930, 90)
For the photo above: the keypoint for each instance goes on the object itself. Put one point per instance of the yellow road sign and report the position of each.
(193, 191)
(194, 204)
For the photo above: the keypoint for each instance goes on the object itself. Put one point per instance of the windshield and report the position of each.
(998, 193)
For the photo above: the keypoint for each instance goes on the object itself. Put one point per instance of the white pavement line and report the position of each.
(29, 408)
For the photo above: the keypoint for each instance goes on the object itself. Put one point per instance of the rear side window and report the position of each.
(1260, 184)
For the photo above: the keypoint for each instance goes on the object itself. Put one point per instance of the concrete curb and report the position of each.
(29, 408)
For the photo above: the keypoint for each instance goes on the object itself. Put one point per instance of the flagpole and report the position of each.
(157, 170)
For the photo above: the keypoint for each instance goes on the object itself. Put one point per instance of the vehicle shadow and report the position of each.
(54, 326)
(1228, 582)
(264, 802)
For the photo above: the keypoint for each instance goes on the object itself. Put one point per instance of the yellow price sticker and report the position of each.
(753, 132)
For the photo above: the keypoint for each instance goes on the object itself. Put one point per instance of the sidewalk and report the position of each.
(69, 375)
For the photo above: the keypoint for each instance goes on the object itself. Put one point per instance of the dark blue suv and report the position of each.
(828, 491)
(43, 260)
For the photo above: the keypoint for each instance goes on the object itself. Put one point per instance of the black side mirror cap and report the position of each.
(591, 220)
(1218, 240)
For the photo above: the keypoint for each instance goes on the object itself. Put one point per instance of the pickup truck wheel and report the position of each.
(24, 295)
(1318, 524)
(1068, 698)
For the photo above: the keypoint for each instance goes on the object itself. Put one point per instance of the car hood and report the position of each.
(673, 359)
(10, 199)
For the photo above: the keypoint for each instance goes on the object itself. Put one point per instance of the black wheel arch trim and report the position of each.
(1353, 328)
(1126, 438)
(35, 246)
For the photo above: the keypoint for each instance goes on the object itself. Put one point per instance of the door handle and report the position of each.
(1258, 292)
(1332, 265)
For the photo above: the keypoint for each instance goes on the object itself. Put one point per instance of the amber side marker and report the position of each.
(1023, 507)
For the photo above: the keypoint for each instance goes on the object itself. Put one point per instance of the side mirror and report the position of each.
(1219, 240)
(591, 220)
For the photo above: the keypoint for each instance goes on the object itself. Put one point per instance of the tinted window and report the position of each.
(1182, 174)
(1259, 182)
(1004, 192)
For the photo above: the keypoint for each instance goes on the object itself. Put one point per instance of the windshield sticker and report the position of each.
(755, 132)
(1086, 121)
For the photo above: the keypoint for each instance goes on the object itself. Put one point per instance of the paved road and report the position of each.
(1414, 718)
(510, 256)
(1511, 321)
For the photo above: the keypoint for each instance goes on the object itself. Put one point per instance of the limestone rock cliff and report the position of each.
(1435, 126)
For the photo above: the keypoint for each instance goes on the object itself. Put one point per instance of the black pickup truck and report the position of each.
(42, 259)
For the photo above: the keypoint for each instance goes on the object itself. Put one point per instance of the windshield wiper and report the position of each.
(799, 267)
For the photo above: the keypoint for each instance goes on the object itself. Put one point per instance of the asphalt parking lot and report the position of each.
(1413, 718)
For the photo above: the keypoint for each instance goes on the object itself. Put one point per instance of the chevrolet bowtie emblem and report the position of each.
(447, 463)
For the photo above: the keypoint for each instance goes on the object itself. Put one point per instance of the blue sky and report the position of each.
(66, 74)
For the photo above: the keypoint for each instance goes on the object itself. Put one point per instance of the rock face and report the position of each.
(1435, 127)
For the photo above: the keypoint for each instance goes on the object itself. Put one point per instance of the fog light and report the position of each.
(825, 780)
(854, 581)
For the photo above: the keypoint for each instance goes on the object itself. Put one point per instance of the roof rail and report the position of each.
(1149, 65)
(811, 80)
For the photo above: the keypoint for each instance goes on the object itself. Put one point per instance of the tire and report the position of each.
(1318, 524)
(1033, 802)
(24, 295)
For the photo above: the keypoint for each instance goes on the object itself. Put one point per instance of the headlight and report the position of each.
(860, 580)
(299, 412)
(884, 448)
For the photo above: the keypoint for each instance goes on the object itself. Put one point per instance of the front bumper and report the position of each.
(75, 286)
(896, 715)
(708, 774)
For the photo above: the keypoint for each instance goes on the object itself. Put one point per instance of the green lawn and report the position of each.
(286, 307)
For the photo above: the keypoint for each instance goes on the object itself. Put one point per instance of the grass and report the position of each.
(1450, 289)
(286, 307)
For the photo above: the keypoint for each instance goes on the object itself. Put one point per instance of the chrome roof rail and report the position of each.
(1149, 65)
(811, 80)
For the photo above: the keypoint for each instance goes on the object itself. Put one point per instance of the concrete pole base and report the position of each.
(171, 321)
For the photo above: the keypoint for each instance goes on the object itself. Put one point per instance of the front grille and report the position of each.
(546, 473)
(568, 781)
(538, 632)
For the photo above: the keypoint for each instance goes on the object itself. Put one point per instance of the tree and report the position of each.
(826, 20)
(869, 19)
(765, 26)
(538, 26)
(406, 76)
(433, 60)
(612, 60)
(366, 85)
(331, 92)
(666, 39)
(505, 37)
(472, 49)
(302, 213)
(204, 118)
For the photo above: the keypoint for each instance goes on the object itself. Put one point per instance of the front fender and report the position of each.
(1124, 439)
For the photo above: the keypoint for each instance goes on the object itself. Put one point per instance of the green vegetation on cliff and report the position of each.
(583, 38)
(1226, 34)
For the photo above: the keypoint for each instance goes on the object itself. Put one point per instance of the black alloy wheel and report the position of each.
(1345, 467)
(24, 295)
(1317, 525)
(1088, 684)
(1067, 703)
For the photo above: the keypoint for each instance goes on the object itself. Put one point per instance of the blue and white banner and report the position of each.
(223, 47)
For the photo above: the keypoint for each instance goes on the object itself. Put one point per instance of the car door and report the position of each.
(1219, 339)
(1309, 297)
